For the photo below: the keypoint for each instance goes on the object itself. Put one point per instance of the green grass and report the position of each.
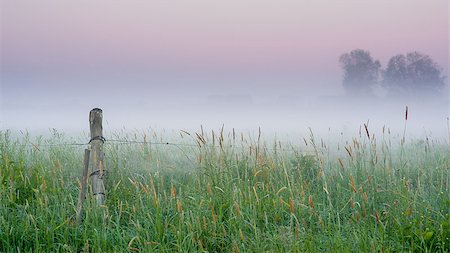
(228, 194)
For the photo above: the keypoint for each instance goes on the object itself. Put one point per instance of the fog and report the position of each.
(278, 113)
(245, 65)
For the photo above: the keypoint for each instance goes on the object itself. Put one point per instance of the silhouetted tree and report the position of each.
(413, 75)
(361, 72)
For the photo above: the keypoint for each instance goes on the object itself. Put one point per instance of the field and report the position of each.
(228, 192)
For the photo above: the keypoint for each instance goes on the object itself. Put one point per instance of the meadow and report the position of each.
(228, 192)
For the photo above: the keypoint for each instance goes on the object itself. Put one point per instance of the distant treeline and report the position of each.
(414, 75)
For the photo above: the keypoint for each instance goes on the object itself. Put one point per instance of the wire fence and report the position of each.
(107, 141)
(177, 145)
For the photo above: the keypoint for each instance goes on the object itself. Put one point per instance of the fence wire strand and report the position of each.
(177, 145)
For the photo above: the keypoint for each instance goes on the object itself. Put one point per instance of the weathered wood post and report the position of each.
(98, 165)
(82, 196)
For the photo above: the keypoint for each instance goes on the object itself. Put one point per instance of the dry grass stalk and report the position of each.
(155, 196)
(341, 163)
(406, 113)
(352, 183)
(366, 198)
(367, 131)
(409, 211)
(349, 151)
(173, 191)
(205, 225)
(238, 209)
(83, 186)
(291, 205)
(356, 216)
(281, 190)
(235, 248)
(404, 129)
(363, 208)
(208, 189)
(376, 216)
(144, 188)
(302, 194)
(256, 194)
(241, 235)
(179, 206)
(311, 202)
(213, 214)
(201, 141)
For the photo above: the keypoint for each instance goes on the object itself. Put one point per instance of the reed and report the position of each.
(229, 194)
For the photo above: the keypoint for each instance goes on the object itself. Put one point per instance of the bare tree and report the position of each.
(361, 72)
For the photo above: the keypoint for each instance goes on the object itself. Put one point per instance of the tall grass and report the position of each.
(230, 193)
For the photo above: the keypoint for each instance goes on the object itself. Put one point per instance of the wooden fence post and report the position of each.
(98, 165)
(82, 196)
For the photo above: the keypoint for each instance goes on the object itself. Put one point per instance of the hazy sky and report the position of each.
(79, 54)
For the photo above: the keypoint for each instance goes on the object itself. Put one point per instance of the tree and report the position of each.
(413, 75)
(361, 72)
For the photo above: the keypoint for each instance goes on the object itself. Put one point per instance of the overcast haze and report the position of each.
(179, 64)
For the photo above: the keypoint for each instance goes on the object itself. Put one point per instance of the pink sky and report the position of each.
(303, 36)
(181, 51)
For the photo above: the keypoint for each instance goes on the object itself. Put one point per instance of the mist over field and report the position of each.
(282, 115)
(228, 126)
(242, 65)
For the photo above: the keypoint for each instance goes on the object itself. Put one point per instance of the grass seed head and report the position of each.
(367, 131)
(238, 209)
(173, 191)
(179, 206)
(352, 183)
(341, 163)
(311, 202)
(291, 205)
(363, 208)
(406, 113)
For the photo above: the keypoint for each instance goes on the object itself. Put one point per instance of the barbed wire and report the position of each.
(149, 143)
(59, 144)
(179, 145)
(107, 141)
(204, 145)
